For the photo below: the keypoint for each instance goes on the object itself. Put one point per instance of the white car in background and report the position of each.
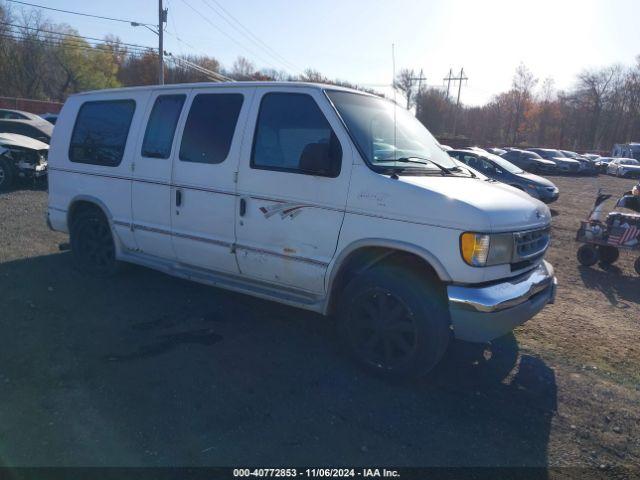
(21, 157)
(624, 167)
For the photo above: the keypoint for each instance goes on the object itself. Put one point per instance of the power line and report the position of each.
(71, 35)
(71, 42)
(248, 34)
(213, 75)
(79, 13)
(206, 19)
(62, 43)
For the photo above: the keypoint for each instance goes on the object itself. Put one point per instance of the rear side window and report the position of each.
(161, 126)
(293, 135)
(12, 115)
(210, 127)
(100, 133)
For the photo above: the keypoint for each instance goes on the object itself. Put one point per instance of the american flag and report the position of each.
(622, 235)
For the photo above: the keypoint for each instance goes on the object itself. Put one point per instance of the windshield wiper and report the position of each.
(423, 161)
(459, 169)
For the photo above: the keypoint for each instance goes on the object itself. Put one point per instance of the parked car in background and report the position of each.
(529, 161)
(565, 164)
(311, 207)
(591, 156)
(586, 166)
(50, 117)
(497, 168)
(624, 167)
(8, 114)
(25, 123)
(21, 157)
(602, 163)
(496, 150)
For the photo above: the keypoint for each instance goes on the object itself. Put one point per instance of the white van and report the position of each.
(311, 195)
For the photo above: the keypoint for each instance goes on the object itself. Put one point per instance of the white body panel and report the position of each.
(290, 230)
(203, 225)
(151, 194)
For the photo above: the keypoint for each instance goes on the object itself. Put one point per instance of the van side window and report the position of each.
(293, 135)
(161, 126)
(101, 131)
(210, 127)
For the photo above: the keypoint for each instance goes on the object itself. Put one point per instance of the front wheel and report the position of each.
(394, 321)
(587, 255)
(92, 244)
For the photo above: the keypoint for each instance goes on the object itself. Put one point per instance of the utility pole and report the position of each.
(448, 80)
(458, 79)
(418, 79)
(162, 19)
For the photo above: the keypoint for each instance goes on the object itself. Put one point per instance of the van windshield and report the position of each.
(370, 121)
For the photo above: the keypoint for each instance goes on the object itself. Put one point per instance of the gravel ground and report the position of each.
(146, 369)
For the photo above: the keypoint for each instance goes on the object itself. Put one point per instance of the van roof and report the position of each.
(319, 86)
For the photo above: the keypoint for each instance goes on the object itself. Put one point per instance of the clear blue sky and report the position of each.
(351, 39)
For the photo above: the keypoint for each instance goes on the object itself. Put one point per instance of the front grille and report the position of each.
(530, 244)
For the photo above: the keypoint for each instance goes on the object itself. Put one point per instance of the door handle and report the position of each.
(178, 198)
(243, 207)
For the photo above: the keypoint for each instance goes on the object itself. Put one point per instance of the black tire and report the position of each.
(394, 322)
(587, 255)
(608, 254)
(92, 244)
(6, 175)
(636, 265)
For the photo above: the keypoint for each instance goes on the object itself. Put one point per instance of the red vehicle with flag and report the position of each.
(620, 230)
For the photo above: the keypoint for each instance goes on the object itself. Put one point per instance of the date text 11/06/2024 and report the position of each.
(316, 472)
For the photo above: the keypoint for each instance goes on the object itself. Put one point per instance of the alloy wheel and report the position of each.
(95, 245)
(383, 329)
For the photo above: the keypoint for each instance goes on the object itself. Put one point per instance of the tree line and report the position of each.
(45, 61)
(602, 108)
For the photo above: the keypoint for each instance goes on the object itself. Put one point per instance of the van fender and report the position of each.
(340, 259)
(105, 210)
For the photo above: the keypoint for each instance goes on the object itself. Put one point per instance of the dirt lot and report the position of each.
(145, 369)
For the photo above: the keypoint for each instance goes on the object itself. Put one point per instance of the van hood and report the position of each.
(479, 205)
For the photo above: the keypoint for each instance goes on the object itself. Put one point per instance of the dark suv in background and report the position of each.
(497, 168)
(565, 164)
(529, 161)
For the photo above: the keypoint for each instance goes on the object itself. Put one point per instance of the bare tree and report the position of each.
(242, 69)
(404, 83)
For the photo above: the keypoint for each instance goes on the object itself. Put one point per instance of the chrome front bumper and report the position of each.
(482, 313)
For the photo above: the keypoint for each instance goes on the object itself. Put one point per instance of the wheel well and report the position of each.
(366, 257)
(82, 206)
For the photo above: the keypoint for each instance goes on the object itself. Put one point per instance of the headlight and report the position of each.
(482, 250)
